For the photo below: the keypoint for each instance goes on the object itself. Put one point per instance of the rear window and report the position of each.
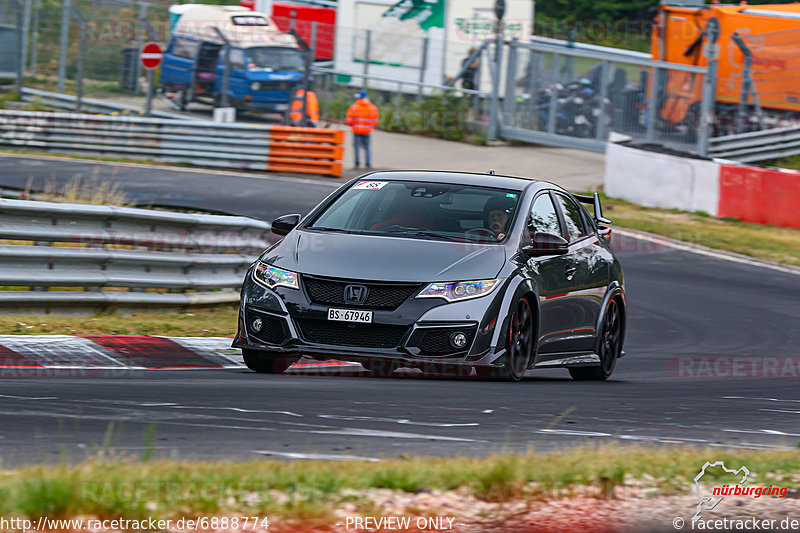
(421, 210)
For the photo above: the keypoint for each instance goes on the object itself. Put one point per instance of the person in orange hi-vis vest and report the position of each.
(362, 117)
(312, 109)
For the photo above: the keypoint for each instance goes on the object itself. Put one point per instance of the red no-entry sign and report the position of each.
(151, 55)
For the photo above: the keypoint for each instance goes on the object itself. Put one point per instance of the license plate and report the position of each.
(350, 315)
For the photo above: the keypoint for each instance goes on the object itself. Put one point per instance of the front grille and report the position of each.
(277, 85)
(381, 295)
(437, 341)
(273, 329)
(344, 334)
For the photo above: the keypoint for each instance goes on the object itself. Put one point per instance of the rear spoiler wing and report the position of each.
(598, 209)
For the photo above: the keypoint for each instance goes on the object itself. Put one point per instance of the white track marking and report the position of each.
(709, 252)
(762, 432)
(396, 421)
(758, 399)
(28, 397)
(318, 456)
(359, 432)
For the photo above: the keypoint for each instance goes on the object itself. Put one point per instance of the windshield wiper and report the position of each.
(431, 234)
(332, 230)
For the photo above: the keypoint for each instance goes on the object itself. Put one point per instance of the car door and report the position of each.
(590, 279)
(553, 276)
(176, 70)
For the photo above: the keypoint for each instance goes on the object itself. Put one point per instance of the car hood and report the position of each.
(379, 258)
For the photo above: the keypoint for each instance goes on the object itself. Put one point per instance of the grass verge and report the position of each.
(214, 322)
(110, 487)
(770, 243)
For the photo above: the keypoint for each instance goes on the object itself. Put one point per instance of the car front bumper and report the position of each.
(415, 334)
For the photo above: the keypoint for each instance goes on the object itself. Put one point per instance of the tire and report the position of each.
(266, 363)
(519, 345)
(380, 368)
(610, 348)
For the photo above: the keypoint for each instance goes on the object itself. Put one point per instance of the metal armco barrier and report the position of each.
(245, 146)
(89, 105)
(757, 145)
(89, 258)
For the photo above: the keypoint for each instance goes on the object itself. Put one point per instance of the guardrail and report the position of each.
(91, 258)
(246, 146)
(757, 145)
(89, 105)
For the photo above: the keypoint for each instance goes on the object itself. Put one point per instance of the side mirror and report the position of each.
(546, 244)
(285, 224)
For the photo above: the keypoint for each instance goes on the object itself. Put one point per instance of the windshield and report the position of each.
(270, 59)
(421, 210)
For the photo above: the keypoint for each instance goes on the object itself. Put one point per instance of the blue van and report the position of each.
(266, 65)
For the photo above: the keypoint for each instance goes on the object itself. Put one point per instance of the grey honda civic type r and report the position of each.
(442, 271)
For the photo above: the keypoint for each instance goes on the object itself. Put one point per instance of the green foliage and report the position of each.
(596, 9)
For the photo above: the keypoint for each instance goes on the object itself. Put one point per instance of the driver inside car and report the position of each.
(497, 215)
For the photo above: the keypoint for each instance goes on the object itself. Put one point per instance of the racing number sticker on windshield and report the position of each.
(370, 185)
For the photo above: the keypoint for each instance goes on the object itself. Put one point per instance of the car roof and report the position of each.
(457, 178)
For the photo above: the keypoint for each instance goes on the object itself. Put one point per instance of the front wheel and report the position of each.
(519, 345)
(265, 362)
(610, 348)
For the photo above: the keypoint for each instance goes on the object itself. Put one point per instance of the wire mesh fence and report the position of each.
(576, 97)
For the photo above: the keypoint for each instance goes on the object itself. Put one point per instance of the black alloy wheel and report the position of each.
(610, 348)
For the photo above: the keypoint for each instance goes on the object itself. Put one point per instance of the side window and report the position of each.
(588, 221)
(572, 216)
(237, 59)
(543, 216)
(185, 48)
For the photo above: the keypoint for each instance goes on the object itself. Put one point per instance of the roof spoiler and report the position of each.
(598, 210)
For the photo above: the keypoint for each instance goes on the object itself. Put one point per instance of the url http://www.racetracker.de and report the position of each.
(206, 523)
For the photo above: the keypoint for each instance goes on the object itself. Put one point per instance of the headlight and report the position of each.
(275, 277)
(459, 290)
(255, 86)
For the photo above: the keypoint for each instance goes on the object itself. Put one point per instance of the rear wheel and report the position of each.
(519, 346)
(610, 348)
(266, 362)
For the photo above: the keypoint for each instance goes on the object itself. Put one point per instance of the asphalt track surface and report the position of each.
(712, 359)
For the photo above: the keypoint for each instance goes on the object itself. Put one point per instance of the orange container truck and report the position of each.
(770, 32)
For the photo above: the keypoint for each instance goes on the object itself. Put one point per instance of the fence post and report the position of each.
(20, 47)
(366, 59)
(706, 122)
(652, 106)
(35, 43)
(26, 28)
(313, 40)
(423, 67)
(553, 109)
(509, 103)
(494, 119)
(141, 38)
(62, 55)
(601, 118)
(325, 100)
(226, 68)
(81, 60)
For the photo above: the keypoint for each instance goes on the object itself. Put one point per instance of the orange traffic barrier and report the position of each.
(306, 150)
